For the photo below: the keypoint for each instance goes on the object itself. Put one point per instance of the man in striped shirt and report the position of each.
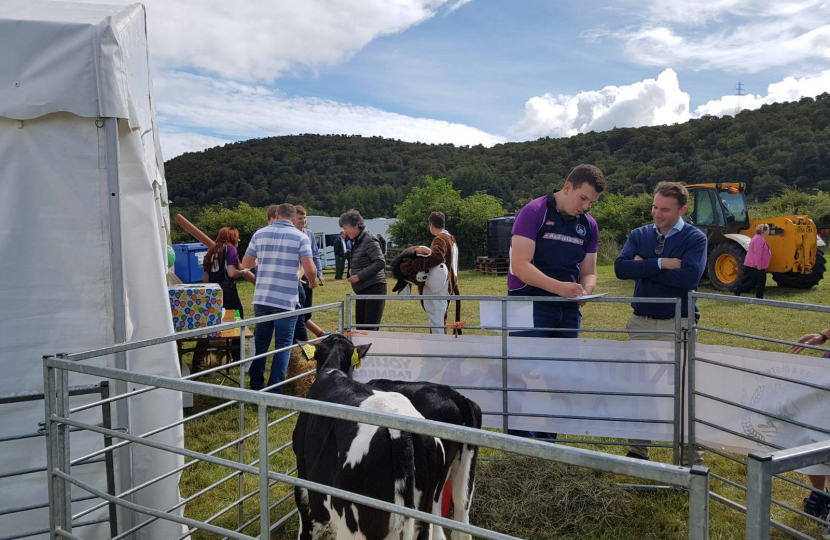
(277, 251)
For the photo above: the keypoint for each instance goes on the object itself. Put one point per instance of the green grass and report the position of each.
(656, 515)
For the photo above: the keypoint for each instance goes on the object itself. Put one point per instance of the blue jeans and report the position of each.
(283, 332)
(553, 315)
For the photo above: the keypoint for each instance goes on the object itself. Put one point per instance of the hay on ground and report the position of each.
(539, 499)
(298, 364)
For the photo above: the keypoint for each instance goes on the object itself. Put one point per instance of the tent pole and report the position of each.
(127, 519)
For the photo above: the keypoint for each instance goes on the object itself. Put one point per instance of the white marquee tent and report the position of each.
(84, 227)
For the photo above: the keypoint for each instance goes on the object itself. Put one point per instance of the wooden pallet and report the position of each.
(493, 266)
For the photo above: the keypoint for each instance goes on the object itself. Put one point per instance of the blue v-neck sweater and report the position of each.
(689, 244)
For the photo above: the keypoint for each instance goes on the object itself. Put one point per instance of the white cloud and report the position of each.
(188, 104)
(263, 39)
(790, 89)
(730, 35)
(696, 12)
(458, 4)
(647, 103)
(175, 143)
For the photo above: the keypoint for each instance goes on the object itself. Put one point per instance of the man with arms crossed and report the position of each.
(665, 259)
(553, 252)
(277, 251)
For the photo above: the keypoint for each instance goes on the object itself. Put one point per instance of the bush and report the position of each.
(609, 249)
(793, 201)
(466, 217)
(617, 215)
(244, 218)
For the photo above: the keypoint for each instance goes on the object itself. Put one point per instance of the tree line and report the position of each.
(776, 147)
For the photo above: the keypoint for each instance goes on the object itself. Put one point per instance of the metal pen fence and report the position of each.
(102, 389)
(678, 335)
(761, 475)
(59, 422)
(762, 467)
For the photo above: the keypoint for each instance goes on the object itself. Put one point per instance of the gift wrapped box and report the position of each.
(195, 306)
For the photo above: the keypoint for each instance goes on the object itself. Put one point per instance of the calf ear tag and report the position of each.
(355, 359)
(309, 350)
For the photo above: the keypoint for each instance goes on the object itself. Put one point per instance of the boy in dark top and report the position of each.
(666, 259)
(553, 252)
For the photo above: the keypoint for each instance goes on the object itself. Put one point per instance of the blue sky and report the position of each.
(471, 71)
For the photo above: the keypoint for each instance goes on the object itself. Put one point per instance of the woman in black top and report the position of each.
(222, 266)
(366, 272)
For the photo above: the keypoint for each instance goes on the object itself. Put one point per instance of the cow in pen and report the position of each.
(386, 464)
(443, 404)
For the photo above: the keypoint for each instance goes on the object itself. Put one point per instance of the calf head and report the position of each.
(336, 352)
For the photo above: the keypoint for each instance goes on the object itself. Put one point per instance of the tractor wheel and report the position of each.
(794, 280)
(726, 266)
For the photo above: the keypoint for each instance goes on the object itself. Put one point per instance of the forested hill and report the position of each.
(776, 146)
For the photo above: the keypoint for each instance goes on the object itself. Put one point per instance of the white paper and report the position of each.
(519, 314)
(587, 297)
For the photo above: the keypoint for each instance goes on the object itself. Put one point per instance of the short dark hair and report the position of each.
(587, 174)
(300, 210)
(352, 218)
(286, 211)
(675, 190)
(438, 220)
(272, 211)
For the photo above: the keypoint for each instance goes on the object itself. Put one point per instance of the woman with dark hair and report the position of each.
(366, 272)
(222, 266)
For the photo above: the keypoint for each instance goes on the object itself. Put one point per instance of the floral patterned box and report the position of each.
(195, 306)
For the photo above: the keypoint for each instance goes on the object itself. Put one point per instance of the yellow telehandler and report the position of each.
(720, 211)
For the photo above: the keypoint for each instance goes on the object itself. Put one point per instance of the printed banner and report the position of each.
(583, 376)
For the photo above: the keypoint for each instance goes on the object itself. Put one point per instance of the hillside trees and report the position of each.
(772, 148)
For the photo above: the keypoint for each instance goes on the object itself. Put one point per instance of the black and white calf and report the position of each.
(443, 404)
(386, 464)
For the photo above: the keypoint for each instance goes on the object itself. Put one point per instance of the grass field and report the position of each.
(656, 515)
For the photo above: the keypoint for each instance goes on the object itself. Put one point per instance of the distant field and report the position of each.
(657, 516)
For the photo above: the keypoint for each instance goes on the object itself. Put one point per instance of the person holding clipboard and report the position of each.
(553, 252)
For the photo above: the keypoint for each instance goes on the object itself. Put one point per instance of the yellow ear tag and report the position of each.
(355, 359)
(309, 350)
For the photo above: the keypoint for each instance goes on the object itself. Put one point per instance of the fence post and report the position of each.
(340, 318)
(758, 495)
(49, 430)
(106, 415)
(690, 362)
(264, 499)
(240, 446)
(678, 384)
(348, 313)
(699, 503)
(61, 460)
(504, 397)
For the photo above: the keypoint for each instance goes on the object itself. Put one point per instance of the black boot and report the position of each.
(817, 504)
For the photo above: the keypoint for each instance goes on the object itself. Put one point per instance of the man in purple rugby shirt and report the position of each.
(553, 252)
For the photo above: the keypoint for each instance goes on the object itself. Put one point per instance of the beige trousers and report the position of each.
(635, 322)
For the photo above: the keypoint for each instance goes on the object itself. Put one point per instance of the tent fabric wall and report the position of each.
(76, 63)
(62, 56)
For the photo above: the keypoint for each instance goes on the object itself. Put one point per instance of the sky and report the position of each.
(471, 72)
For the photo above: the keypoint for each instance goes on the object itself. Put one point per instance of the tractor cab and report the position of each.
(719, 206)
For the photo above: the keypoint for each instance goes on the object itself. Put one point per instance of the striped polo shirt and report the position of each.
(278, 249)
